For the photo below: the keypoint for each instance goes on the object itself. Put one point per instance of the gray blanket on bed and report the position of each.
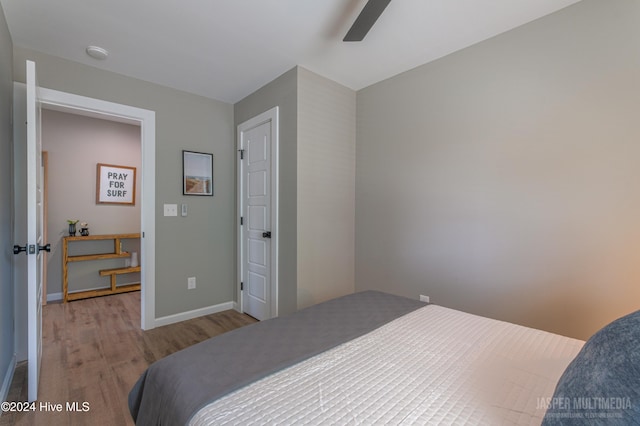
(173, 389)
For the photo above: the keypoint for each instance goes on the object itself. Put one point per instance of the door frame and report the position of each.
(146, 119)
(271, 115)
(45, 230)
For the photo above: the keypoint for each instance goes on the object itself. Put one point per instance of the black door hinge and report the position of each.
(241, 286)
(241, 220)
(241, 154)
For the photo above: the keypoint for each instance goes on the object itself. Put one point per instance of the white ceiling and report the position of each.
(226, 49)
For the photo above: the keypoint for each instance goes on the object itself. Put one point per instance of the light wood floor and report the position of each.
(94, 351)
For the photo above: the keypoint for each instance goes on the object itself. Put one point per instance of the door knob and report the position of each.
(266, 234)
(19, 249)
(46, 248)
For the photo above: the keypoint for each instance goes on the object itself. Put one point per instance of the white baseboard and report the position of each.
(54, 297)
(8, 377)
(171, 319)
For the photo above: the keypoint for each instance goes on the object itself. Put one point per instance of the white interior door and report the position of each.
(34, 233)
(258, 237)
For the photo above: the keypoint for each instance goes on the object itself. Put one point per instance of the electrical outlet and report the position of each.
(424, 298)
(191, 283)
(183, 211)
(171, 210)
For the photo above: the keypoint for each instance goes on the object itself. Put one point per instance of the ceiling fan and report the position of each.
(368, 16)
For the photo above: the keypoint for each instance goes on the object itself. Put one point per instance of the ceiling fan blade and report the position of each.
(363, 23)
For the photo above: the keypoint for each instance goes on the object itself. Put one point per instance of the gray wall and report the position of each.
(201, 244)
(75, 145)
(503, 179)
(326, 188)
(7, 347)
(281, 92)
(317, 184)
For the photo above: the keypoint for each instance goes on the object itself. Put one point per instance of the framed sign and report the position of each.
(197, 173)
(115, 184)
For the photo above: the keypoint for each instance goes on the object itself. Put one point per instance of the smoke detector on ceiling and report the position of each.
(97, 52)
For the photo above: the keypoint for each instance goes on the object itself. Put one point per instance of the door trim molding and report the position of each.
(271, 115)
(146, 119)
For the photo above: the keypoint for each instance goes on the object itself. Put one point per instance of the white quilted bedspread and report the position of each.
(432, 366)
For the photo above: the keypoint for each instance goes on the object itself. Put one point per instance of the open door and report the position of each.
(34, 228)
(34, 232)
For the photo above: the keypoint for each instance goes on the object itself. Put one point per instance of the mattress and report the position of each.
(174, 388)
(432, 366)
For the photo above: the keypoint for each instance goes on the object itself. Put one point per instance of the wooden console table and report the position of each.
(113, 273)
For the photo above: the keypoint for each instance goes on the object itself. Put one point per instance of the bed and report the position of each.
(376, 358)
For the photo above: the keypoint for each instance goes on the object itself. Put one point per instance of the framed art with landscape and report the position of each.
(197, 173)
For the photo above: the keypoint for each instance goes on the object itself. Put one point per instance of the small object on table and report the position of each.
(72, 226)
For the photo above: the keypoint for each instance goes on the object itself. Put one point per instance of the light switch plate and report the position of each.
(184, 210)
(171, 210)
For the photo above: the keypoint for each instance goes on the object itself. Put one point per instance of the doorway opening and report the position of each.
(145, 119)
(75, 145)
